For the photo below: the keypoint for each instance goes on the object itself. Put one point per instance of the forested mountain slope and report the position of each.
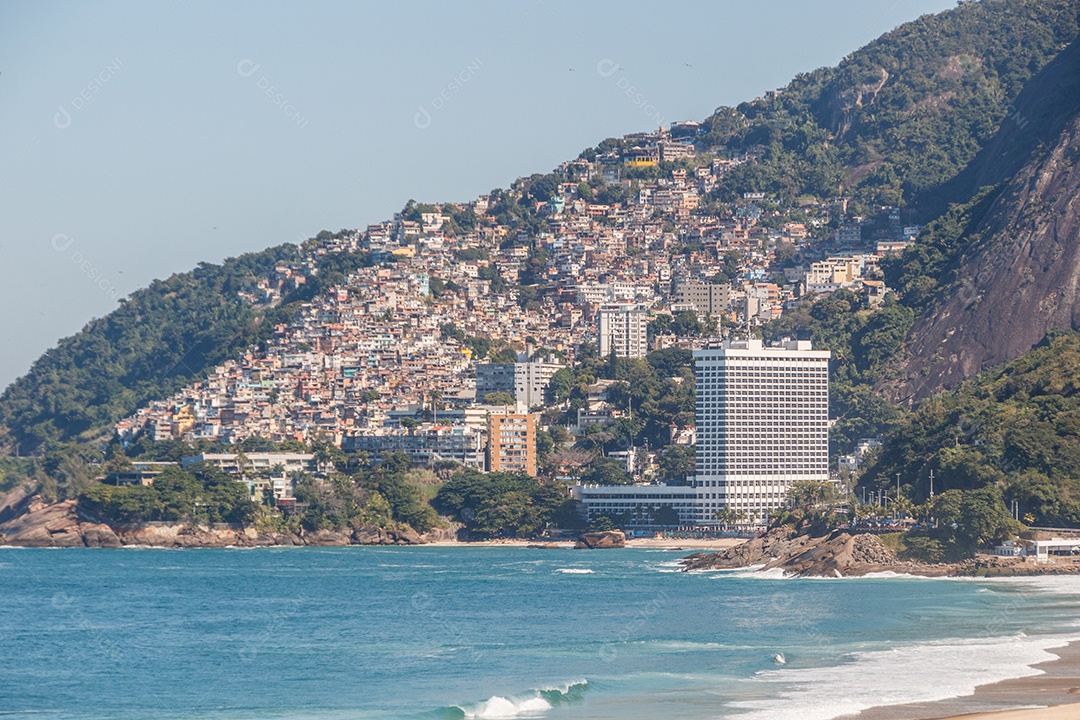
(903, 115)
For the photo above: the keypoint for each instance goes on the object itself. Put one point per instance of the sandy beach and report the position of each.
(1061, 712)
(1053, 695)
(692, 545)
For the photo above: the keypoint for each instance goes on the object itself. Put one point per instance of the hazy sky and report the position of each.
(140, 138)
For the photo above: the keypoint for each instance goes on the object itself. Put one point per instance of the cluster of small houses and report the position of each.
(355, 363)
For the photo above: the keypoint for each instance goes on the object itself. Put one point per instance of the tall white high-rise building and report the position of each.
(762, 424)
(622, 328)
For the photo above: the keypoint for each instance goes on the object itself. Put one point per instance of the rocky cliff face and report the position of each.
(1021, 280)
(1020, 277)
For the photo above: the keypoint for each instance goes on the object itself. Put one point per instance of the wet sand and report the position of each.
(1053, 695)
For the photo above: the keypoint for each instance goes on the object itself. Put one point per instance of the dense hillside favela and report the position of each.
(442, 297)
(706, 326)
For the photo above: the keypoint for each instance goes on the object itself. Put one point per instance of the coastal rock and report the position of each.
(14, 503)
(99, 535)
(185, 536)
(600, 540)
(407, 536)
(29, 521)
(443, 534)
(756, 551)
(401, 535)
(838, 555)
(843, 554)
(834, 555)
(326, 538)
(371, 535)
(266, 539)
(53, 525)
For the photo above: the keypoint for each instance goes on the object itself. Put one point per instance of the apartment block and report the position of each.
(423, 445)
(762, 424)
(512, 442)
(526, 381)
(707, 298)
(622, 329)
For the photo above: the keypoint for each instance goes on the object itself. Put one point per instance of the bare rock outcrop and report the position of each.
(835, 554)
(1020, 276)
(843, 554)
(600, 540)
(55, 525)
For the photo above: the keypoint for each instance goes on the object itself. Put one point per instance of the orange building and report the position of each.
(512, 442)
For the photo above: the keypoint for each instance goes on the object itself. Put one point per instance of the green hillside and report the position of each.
(157, 340)
(1016, 427)
(900, 116)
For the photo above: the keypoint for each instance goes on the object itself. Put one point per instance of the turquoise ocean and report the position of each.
(494, 632)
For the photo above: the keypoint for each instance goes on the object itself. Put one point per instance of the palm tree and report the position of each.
(903, 507)
(729, 516)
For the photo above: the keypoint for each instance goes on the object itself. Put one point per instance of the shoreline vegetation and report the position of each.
(803, 545)
(30, 522)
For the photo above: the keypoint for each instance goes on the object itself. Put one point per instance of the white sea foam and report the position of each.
(1056, 584)
(922, 672)
(500, 707)
(530, 705)
(575, 571)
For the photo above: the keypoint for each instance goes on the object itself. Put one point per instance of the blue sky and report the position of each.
(140, 138)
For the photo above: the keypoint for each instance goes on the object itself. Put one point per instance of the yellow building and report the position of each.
(512, 442)
(183, 420)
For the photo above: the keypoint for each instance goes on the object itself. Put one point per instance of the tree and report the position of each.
(504, 355)
(731, 267)
(504, 504)
(499, 398)
(669, 361)
(666, 516)
(545, 445)
(676, 464)
(560, 385)
(606, 471)
(202, 493)
(686, 324)
(812, 494)
(729, 516)
(661, 325)
(479, 346)
(946, 507)
(984, 519)
(603, 523)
